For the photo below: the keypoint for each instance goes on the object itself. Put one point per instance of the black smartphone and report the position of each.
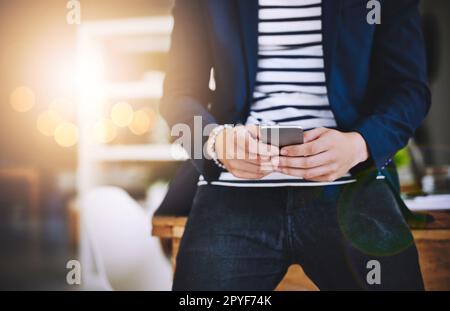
(281, 135)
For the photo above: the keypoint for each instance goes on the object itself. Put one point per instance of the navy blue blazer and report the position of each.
(376, 76)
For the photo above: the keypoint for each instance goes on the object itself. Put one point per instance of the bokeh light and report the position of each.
(143, 121)
(105, 131)
(122, 114)
(48, 121)
(66, 134)
(22, 99)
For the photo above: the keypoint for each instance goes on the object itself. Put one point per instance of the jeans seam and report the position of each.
(289, 229)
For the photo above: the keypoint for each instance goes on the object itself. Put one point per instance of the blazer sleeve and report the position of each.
(186, 85)
(399, 97)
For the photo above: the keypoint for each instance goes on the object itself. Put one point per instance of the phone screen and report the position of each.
(281, 136)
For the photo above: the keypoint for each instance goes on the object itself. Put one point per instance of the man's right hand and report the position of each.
(243, 154)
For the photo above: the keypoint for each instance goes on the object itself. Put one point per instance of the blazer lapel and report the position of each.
(331, 17)
(248, 13)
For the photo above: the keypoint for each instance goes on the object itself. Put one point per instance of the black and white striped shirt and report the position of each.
(290, 86)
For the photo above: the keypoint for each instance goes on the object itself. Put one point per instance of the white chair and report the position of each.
(117, 250)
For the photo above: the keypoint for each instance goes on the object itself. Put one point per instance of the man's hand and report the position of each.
(243, 155)
(326, 155)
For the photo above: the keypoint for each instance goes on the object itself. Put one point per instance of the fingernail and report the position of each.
(284, 152)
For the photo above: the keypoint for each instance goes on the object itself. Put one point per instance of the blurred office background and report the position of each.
(79, 110)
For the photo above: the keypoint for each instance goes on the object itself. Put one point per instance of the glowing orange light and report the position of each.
(22, 99)
(122, 114)
(143, 120)
(66, 134)
(105, 131)
(48, 121)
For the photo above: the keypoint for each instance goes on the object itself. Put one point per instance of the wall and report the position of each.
(438, 123)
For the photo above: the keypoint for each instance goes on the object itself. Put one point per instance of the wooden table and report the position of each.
(433, 243)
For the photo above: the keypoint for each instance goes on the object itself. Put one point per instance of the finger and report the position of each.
(305, 162)
(253, 129)
(256, 147)
(249, 167)
(296, 172)
(246, 175)
(308, 174)
(266, 150)
(309, 149)
(257, 160)
(240, 144)
(314, 173)
(239, 152)
(314, 134)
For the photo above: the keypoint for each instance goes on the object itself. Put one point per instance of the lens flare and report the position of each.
(22, 99)
(66, 134)
(122, 114)
(143, 121)
(48, 121)
(105, 131)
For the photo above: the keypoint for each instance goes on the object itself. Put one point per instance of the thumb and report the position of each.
(253, 129)
(311, 135)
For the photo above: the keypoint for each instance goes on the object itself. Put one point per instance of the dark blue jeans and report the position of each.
(246, 238)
